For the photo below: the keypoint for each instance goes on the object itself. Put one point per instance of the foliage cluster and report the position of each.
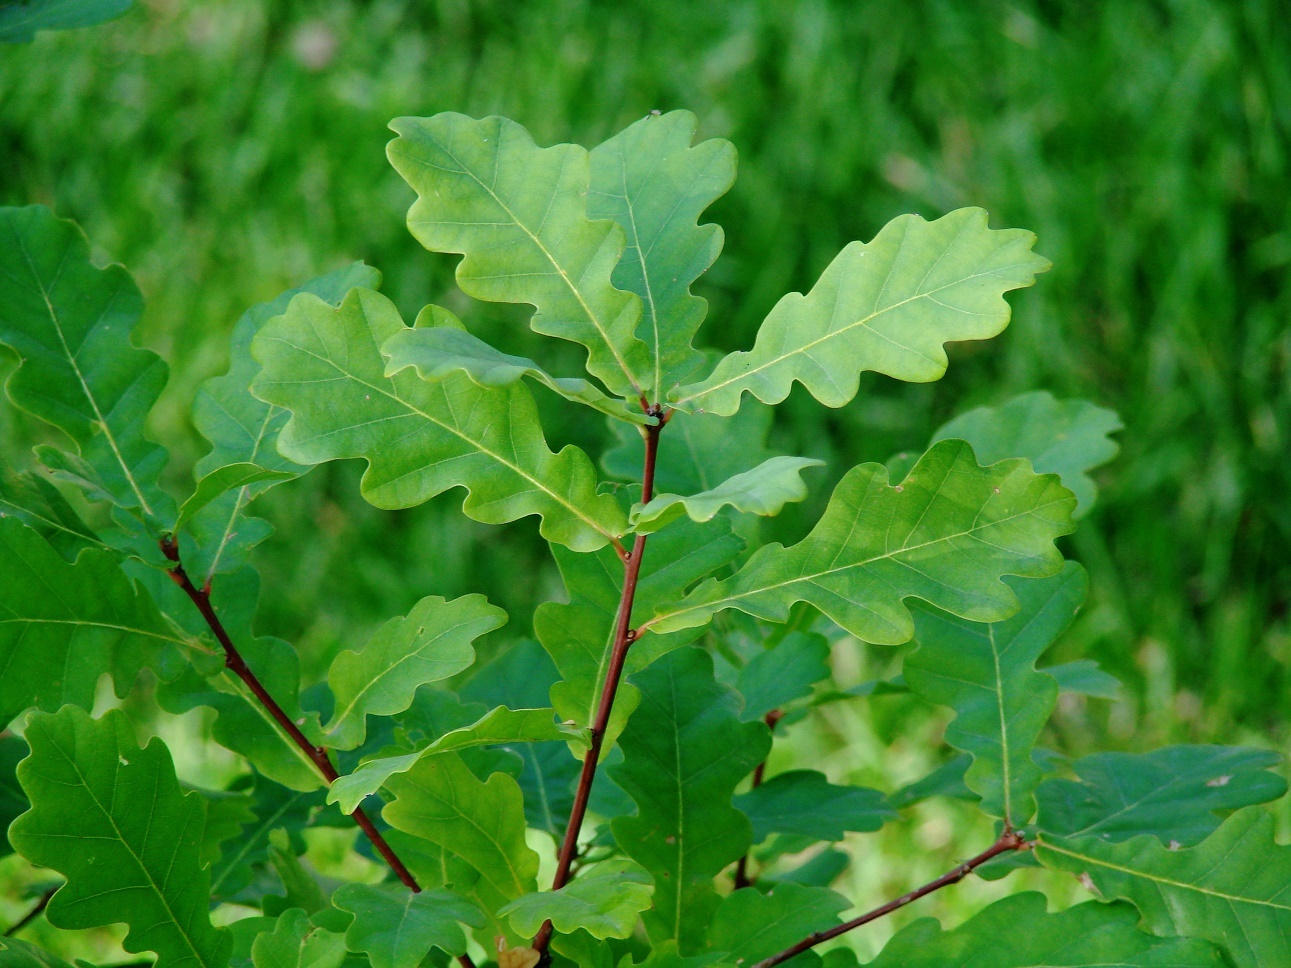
(630, 733)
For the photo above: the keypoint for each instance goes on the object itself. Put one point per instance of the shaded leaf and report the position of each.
(947, 535)
(1084, 677)
(421, 438)
(20, 19)
(273, 807)
(649, 180)
(946, 780)
(518, 214)
(296, 942)
(763, 490)
(887, 306)
(499, 725)
(987, 674)
(750, 925)
(35, 502)
(227, 815)
(231, 477)
(1064, 437)
(1234, 888)
(1178, 794)
(605, 902)
(112, 819)
(16, 953)
(431, 643)
(778, 676)
(685, 750)
(63, 624)
(70, 322)
(396, 928)
(1016, 932)
(443, 349)
(301, 887)
(803, 802)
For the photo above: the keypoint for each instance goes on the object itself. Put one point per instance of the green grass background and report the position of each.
(227, 150)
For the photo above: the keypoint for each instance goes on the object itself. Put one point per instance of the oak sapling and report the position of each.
(627, 732)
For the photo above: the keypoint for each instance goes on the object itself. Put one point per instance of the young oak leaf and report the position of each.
(431, 643)
(69, 322)
(1178, 793)
(987, 674)
(655, 185)
(605, 902)
(421, 438)
(764, 490)
(397, 928)
(1234, 888)
(886, 306)
(1017, 932)
(518, 215)
(947, 535)
(112, 819)
(54, 647)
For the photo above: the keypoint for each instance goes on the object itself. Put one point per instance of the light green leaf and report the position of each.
(111, 818)
(987, 674)
(498, 726)
(750, 925)
(421, 438)
(886, 306)
(63, 624)
(947, 535)
(1178, 794)
(804, 803)
(296, 942)
(780, 675)
(440, 350)
(242, 429)
(1084, 677)
(35, 502)
(764, 490)
(649, 180)
(685, 750)
(69, 322)
(605, 902)
(697, 452)
(518, 213)
(1233, 889)
(20, 20)
(214, 485)
(16, 953)
(397, 928)
(578, 635)
(1064, 437)
(1016, 932)
(479, 823)
(431, 643)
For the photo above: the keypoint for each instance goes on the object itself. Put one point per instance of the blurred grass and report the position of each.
(229, 150)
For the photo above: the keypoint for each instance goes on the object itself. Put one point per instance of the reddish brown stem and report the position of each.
(742, 878)
(1009, 840)
(624, 635)
(201, 598)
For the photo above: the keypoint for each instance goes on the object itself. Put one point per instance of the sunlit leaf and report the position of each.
(887, 306)
(518, 213)
(296, 942)
(605, 902)
(396, 928)
(763, 490)
(112, 819)
(231, 477)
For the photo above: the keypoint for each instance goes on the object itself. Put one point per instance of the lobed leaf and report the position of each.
(112, 819)
(69, 322)
(750, 925)
(518, 215)
(39, 505)
(63, 624)
(948, 534)
(421, 438)
(296, 942)
(986, 673)
(1177, 794)
(887, 306)
(273, 807)
(499, 725)
(1016, 932)
(805, 804)
(444, 348)
(655, 185)
(605, 902)
(764, 490)
(396, 928)
(231, 477)
(1233, 889)
(685, 750)
(1064, 437)
(780, 675)
(431, 643)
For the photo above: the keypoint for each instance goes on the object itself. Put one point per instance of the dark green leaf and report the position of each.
(16, 953)
(274, 807)
(20, 19)
(396, 928)
(38, 504)
(750, 925)
(946, 780)
(778, 676)
(803, 802)
(297, 943)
